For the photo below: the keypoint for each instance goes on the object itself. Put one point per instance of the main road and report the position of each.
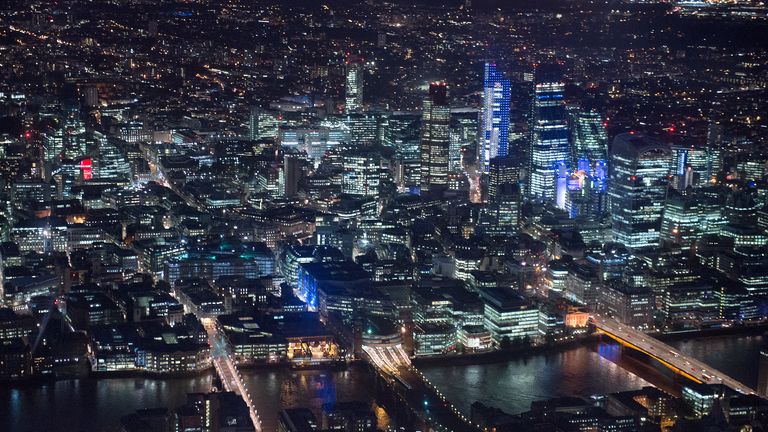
(689, 367)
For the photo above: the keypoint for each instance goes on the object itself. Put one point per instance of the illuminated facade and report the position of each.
(695, 166)
(464, 125)
(590, 140)
(263, 124)
(637, 189)
(581, 192)
(495, 121)
(362, 173)
(550, 143)
(508, 316)
(689, 216)
(503, 170)
(363, 128)
(435, 138)
(353, 101)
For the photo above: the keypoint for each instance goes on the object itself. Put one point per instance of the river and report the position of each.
(97, 405)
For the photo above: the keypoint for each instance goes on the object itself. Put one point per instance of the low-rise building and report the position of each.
(630, 305)
(508, 315)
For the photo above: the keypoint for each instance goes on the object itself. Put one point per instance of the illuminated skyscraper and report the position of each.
(401, 131)
(588, 178)
(590, 141)
(363, 128)
(495, 122)
(263, 123)
(353, 85)
(111, 161)
(637, 188)
(362, 173)
(435, 138)
(464, 124)
(550, 145)
(74, 135)
(695, 165)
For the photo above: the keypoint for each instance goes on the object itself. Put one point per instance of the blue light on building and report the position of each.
(495, 127)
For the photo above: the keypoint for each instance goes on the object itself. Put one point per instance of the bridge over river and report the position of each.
(686, 366)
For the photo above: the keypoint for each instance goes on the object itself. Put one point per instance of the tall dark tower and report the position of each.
(503, 170)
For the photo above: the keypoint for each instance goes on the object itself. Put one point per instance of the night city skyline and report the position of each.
(383, 215)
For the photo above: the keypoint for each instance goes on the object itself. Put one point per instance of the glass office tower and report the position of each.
(435, 138)
(353, 101)
(550, 143)
(639, 167)
(495, 116)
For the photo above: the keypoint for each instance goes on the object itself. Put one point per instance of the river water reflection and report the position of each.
(584, 371)
(97, 405)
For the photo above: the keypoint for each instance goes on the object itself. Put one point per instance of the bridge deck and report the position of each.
(689, 367)
(227, 371)
(432, 406)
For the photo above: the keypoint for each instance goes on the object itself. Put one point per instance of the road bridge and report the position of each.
(223, 361)
(689, 367)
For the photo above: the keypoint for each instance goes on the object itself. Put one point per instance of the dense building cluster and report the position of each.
(304, 179)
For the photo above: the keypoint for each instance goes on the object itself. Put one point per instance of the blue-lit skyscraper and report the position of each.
(495, 127)
(586, 185)
(550, 143)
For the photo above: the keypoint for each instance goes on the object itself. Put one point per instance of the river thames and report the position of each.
(97, 405)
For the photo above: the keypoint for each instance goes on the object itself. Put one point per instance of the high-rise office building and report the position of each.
(363, 128)
(681, 221)
(111, 161)
(464, 124)
(503, 170)
(589, 138)
(584, 188)
(353, 88)
(508, 203)
(495, 121)
(401, 131)
(435, 138)
(289, 175)
(689, 216)
(637, 189)
(263, 124)
(550, 143)
(694, 165)
(362, 173)
(585, 194)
